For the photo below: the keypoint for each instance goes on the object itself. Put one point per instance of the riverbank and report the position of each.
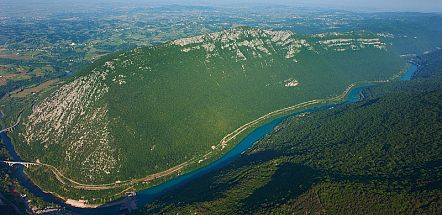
(144, 197)
(350, 95)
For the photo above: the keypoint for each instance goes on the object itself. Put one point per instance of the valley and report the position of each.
(307, 164)
(94, 130)
(153, 106)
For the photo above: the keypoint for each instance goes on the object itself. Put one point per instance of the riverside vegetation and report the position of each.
(190, 93)
(378, 156)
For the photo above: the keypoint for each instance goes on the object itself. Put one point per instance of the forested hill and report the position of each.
(379, 156)
(177, 106)
(430, 65)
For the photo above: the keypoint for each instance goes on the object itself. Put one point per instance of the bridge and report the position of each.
(11, 129)
(26, 164)
(7, 130)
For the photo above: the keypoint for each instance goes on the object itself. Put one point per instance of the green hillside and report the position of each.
(379, 156)
(165, 109)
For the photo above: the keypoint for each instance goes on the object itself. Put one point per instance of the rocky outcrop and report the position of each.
(256, 41)
(267, 42)
(55, 121)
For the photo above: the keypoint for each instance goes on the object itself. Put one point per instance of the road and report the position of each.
(13, 126)
(178, 168)
(229, 137)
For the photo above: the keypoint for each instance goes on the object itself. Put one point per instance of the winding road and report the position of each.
(178, 168)
(13, 126)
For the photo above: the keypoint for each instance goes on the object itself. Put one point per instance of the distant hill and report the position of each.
(164, 110)
(379, 156)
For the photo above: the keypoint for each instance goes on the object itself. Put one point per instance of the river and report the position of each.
(408, 75)
(145, 196)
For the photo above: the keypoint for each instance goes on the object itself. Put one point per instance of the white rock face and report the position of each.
(188, 41)
(54, 121)
(385, 34)
(258, 42)
(266, 42)
(342, 42)
(291, 83)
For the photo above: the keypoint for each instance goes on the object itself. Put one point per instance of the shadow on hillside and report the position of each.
(288, 182)
(213, 185)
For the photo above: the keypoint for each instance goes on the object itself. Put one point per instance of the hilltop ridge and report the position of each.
(268, 42)
(155, 112)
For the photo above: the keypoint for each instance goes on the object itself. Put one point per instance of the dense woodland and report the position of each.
(175, 127)
(154, 123)
(290, 176)
(7, 197)
(379, 156)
